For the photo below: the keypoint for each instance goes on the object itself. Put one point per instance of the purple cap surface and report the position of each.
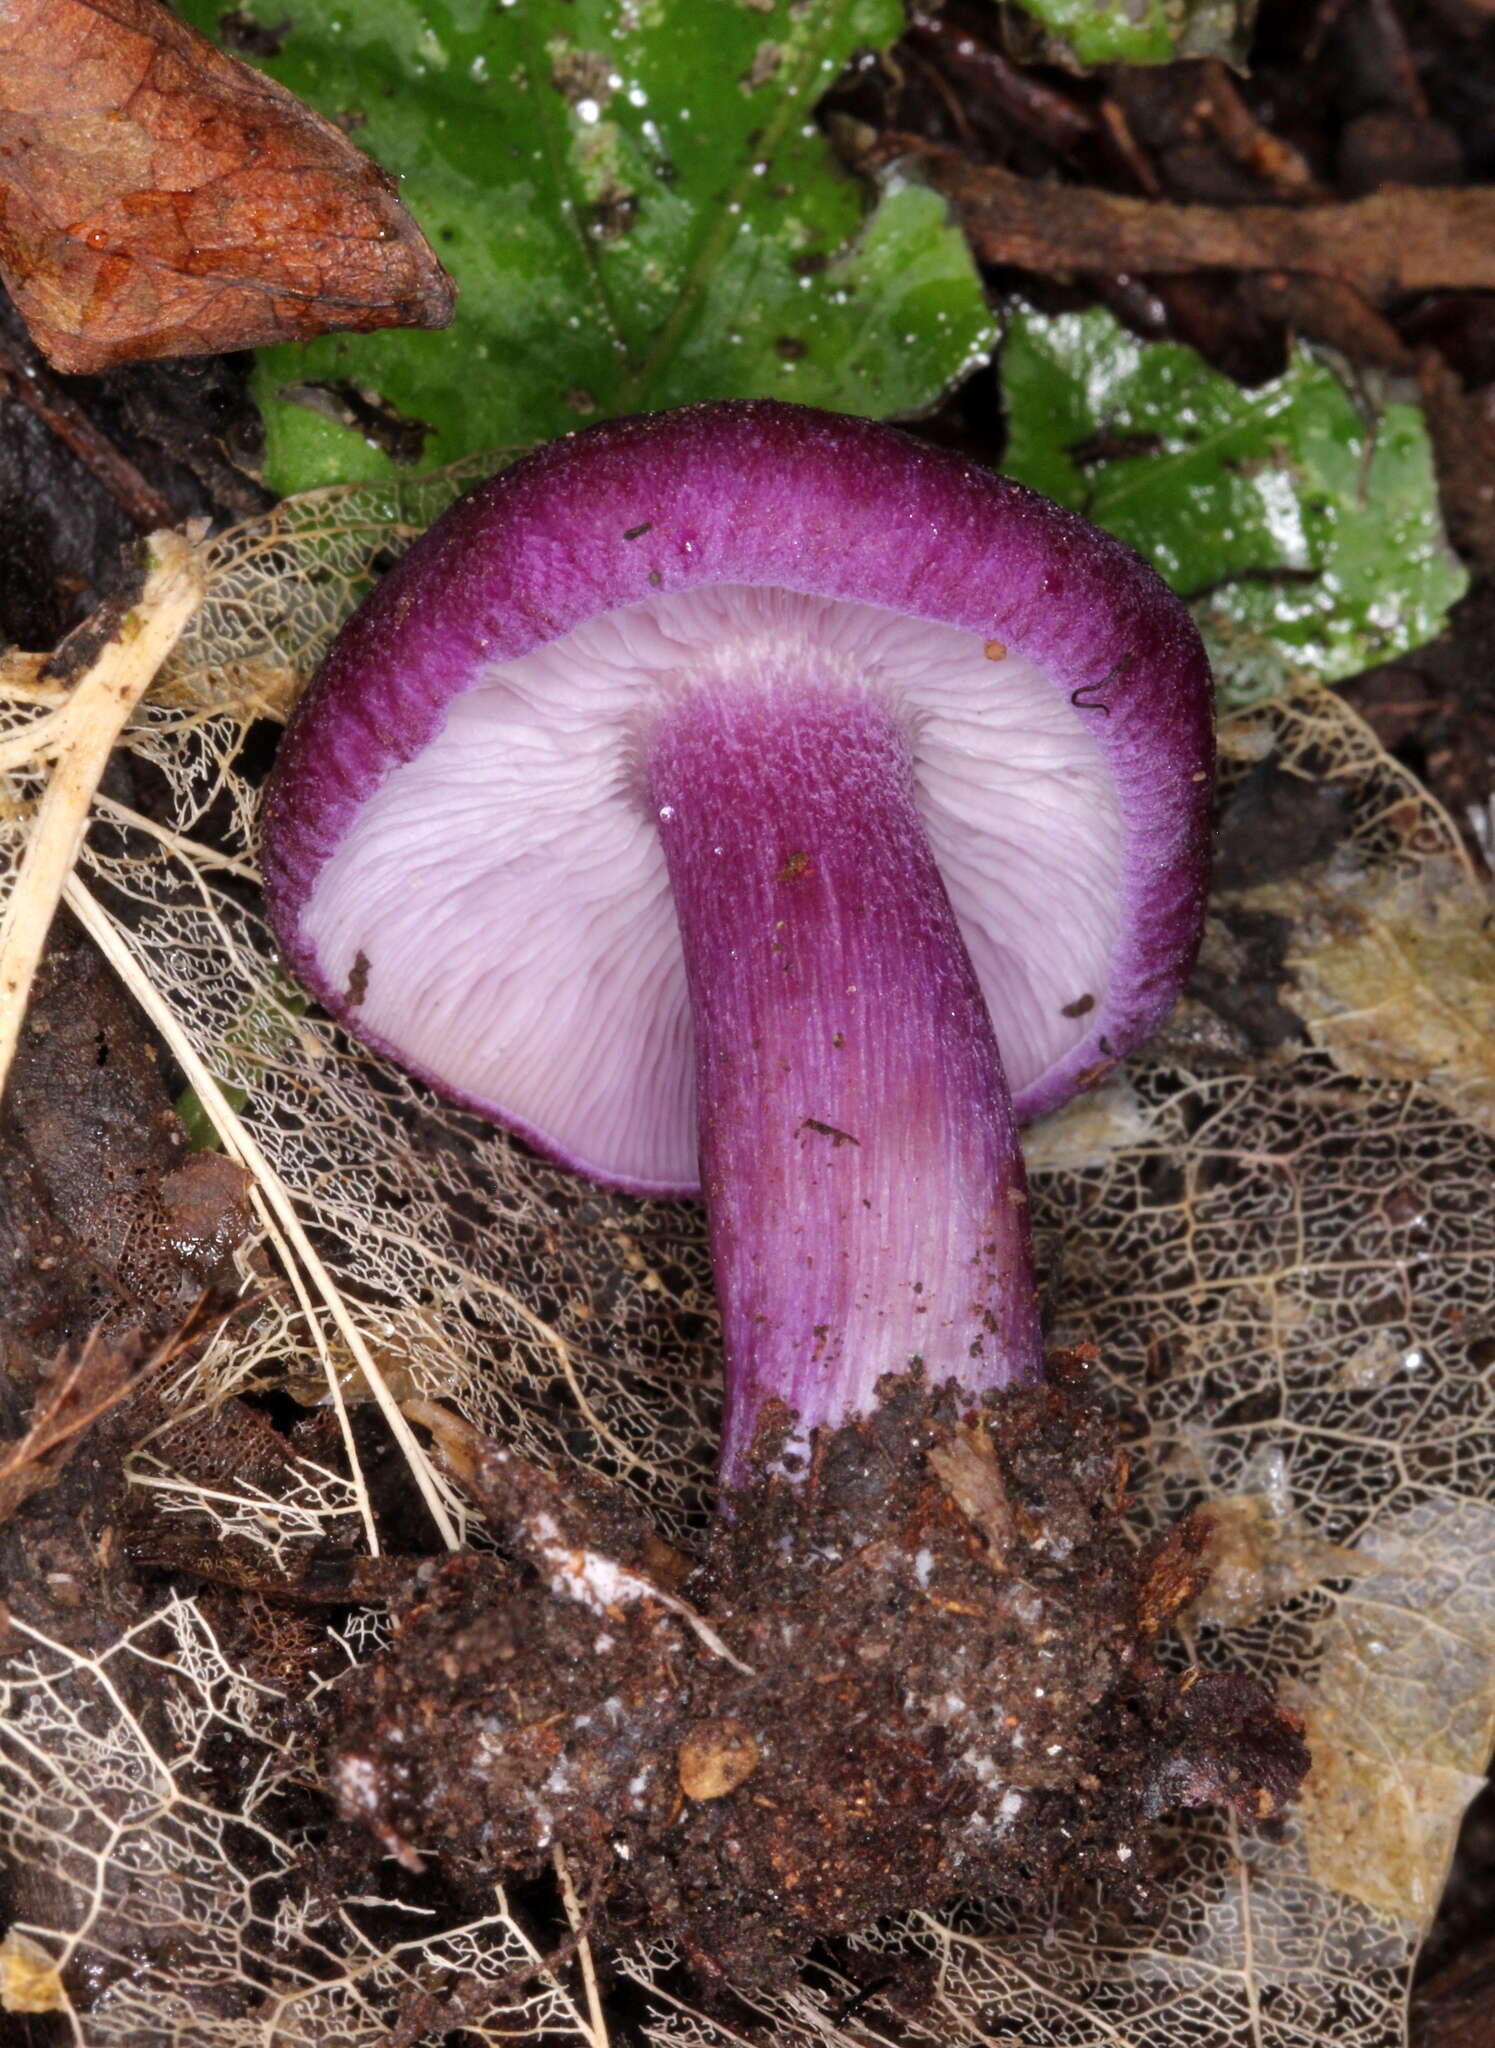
(460, 851)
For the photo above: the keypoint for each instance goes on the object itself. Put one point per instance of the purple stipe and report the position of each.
(459, 857)
(858, 1150)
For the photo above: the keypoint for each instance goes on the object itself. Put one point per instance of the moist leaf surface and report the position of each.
(1148, 31)
(639, 212)
(1303, 527)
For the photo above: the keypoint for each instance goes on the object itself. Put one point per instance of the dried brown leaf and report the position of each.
(1177, 1573)
(160, 198)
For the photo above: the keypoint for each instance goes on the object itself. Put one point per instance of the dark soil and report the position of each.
(87, 464)
(927, 1670)
(108, 1223)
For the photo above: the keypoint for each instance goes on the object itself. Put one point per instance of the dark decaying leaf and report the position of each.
(159, 198)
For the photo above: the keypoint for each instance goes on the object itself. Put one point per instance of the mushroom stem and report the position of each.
(859, 1154)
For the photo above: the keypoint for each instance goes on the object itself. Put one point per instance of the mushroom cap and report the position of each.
(460, 856)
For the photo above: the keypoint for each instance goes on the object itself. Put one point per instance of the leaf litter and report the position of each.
(1285, 1266)
(1395, 975)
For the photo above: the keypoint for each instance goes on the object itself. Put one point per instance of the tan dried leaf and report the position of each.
(28, 1976)
(1402, 1716)
(1394, 974)
(967, 1470)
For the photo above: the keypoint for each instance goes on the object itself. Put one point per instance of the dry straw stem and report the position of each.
(78, 733)
(271, 1194)
(79, 736)
(583, 1948)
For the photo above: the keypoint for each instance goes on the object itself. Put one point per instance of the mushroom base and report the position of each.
(925, 1672)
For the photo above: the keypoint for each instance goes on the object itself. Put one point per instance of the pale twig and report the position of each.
(583, 1947)
(190, 850)
(241, 1146)
(81, 735)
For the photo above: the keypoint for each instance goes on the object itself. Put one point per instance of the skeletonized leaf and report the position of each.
(1289, 1271)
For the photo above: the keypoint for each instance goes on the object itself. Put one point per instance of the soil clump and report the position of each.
(925, 1670)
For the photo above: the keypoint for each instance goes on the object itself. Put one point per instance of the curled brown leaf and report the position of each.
(77, 1393)
(159, 198)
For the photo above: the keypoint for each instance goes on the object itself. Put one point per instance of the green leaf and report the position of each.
(1305, 534)
(201, 1134)
(639, 211)
(1148, 31)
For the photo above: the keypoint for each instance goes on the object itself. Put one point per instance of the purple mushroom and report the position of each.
(756, 787)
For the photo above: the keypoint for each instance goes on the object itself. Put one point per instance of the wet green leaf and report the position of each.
(1148, 31)
(202, 1135)
(1303, 528)
(639, 211)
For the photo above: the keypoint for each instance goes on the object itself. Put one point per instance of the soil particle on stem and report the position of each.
(926, 1670)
